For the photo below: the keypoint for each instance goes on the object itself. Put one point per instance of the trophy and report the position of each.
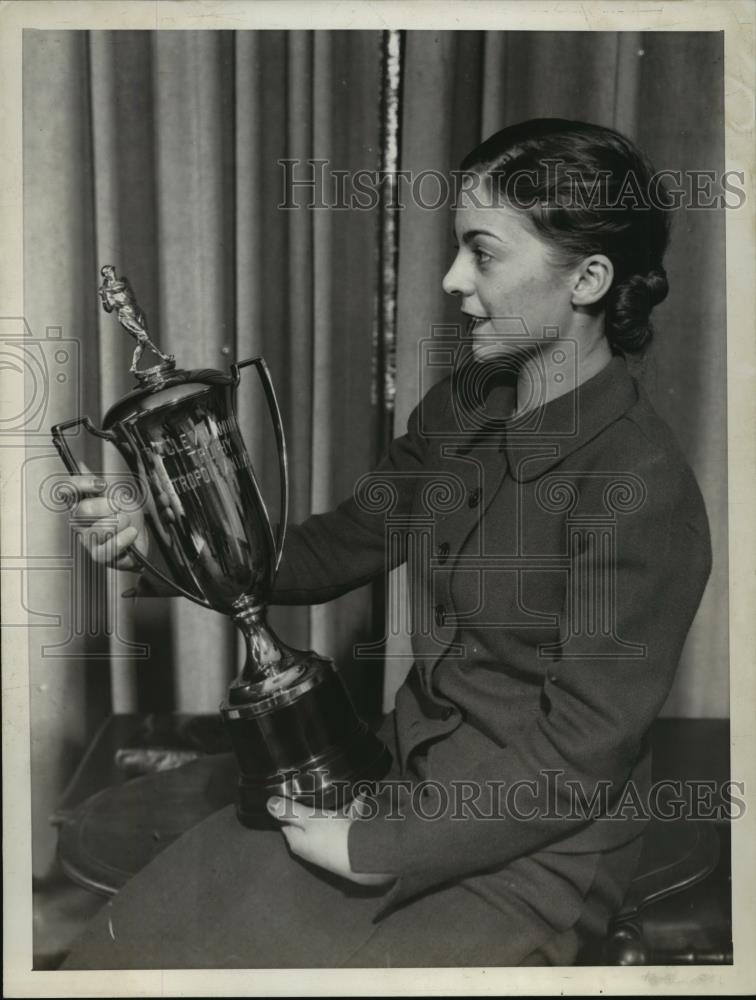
(291, 722)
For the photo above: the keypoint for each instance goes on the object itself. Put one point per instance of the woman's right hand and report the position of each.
(110, 532)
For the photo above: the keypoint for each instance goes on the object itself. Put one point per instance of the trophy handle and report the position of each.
(72, 466)
(61, 445)
(275, 412)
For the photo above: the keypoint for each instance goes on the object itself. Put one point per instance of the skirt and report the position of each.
(223, 896)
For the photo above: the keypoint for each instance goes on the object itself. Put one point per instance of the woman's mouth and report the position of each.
(473, 322)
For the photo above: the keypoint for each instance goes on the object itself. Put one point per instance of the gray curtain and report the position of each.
(157, 152)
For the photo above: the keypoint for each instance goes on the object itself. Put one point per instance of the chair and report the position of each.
(660, 922)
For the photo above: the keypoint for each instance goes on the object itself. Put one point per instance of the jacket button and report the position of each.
(553, 678)
(473, 498)
(443, 552)
(440, 614)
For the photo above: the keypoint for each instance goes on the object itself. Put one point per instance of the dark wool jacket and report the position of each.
(555, 563)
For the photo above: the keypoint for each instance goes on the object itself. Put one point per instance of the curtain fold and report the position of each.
(58, 263)
(159, 152)
(194, 141)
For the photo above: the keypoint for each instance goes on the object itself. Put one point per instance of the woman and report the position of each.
(569, 558)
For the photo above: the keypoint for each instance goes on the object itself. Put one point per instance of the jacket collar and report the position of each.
(546, 435)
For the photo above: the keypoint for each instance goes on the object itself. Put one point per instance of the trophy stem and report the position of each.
(270, 666)
(293, 727)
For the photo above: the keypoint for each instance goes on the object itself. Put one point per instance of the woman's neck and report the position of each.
(559, 367)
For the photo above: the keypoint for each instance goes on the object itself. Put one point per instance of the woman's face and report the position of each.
(506, 278)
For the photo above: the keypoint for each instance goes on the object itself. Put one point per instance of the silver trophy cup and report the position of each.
(290, 719)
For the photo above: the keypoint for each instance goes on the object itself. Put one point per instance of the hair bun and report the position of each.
(629, 307)
(657, 286)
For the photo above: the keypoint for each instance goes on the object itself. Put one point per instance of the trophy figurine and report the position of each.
(291, 722)
(116, 293)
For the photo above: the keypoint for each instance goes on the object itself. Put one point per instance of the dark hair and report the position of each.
(587, 190)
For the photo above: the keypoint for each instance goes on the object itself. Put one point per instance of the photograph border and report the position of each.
(736, 20)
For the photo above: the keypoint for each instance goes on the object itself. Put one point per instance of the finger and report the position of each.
(87, 478)
(358, 807)
(113, 547)
(106, 528)
(81, 486)
(165, 504)
(94, 509)
(95, 530)
(297, 841)
(286, 811)
(128, 561)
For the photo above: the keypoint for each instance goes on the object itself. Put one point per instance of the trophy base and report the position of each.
(305, 742)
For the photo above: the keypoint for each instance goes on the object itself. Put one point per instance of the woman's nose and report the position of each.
(456, 280)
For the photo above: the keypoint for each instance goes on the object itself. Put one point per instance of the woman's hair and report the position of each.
(587, 190)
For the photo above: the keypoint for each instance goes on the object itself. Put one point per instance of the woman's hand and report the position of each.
(110, 532)
(321, 838)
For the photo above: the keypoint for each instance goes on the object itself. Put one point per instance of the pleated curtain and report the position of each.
(158, 152)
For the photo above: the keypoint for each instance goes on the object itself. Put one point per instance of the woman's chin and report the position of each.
(491, 349)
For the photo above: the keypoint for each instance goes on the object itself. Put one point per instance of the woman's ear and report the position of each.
(593, 280)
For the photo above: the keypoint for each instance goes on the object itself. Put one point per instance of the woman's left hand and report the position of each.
(321, 838)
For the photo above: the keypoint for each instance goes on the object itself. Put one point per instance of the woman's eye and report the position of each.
(481, 256)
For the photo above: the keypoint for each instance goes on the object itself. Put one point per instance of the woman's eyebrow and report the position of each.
(471, 234)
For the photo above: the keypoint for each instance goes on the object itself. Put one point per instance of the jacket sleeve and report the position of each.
(596, 711)
(330, 554)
